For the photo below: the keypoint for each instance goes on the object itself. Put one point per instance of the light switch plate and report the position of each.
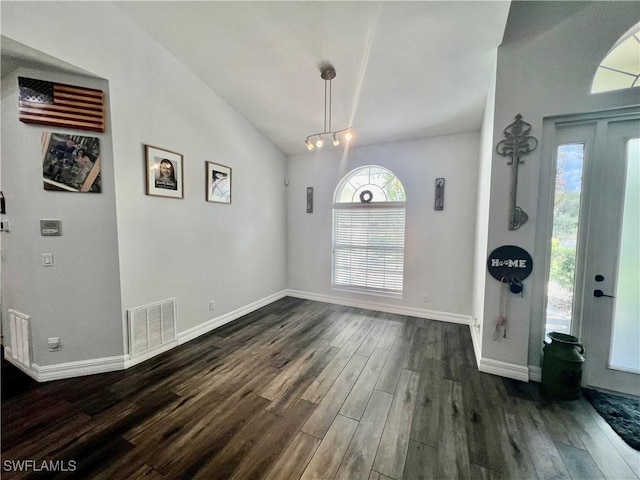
(47, 259)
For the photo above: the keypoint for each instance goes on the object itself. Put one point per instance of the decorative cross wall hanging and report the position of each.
(517, 142)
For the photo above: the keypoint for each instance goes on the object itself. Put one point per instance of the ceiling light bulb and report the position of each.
(309, 144)
(336, 142)
(319, 142)
(348, 136)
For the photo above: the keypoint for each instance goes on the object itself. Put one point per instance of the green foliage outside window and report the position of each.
(563, 244)
(563, 263)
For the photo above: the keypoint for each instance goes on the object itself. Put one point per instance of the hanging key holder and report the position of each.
(517, 142)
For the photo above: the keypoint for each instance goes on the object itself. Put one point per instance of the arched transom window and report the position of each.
(621, 67)
(368, 232)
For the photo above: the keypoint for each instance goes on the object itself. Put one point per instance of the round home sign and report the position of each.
(509, 262)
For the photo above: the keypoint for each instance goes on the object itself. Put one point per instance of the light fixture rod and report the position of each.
(327, 73)
(324, 125)
(330, 104)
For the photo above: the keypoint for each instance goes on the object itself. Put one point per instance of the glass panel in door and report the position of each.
(610, 308)
(564, 237)
(625, 346)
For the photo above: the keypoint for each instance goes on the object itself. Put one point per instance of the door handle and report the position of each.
(600, 293)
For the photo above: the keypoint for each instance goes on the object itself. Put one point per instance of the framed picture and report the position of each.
(218, 183)
(309, 199)
(165, 172)
(70, 163)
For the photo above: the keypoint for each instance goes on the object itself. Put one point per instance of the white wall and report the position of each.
(439, 244)
(189, 249)
(482, 218)
(78, 298)
(545, 68)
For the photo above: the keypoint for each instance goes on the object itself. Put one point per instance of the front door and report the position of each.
(593, 289)
(611, 295)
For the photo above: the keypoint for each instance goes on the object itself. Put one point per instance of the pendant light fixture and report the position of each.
(327, 73)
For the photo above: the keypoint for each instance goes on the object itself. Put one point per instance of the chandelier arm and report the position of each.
(328, 133)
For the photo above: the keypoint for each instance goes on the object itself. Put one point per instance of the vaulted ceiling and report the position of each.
(404, 69)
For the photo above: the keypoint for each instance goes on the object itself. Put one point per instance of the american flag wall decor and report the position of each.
(48, 103)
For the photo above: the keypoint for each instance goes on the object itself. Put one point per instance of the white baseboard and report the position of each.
(59, 371)
(92, 366)
(383, 307)
(503, 369)
(477, 342)
(130, 362)
(535, 373)
(486, 365)
(9, 358)
(108, 364)
(214, 323)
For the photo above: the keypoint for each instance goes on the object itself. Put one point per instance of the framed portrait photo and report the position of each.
(218, 183)
(165, 172)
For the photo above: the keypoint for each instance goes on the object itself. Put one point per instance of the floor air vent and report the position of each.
(152, 327)
(19, 330)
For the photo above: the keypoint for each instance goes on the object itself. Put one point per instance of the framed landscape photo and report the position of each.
(218, 183)
(165, 172)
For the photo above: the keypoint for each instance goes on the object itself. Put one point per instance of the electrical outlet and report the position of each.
(425, 297)
(54, 343)
(212, 305)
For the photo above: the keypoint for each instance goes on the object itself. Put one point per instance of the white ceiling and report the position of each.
(405, 70)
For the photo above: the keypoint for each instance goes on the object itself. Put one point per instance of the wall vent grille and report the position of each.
(152, 327)
(20, 332)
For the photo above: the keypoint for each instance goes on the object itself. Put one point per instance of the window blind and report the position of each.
(368, 247)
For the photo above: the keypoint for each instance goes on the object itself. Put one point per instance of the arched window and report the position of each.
(368, 232)
(621, 67)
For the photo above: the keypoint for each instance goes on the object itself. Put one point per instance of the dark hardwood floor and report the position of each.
(308, 390)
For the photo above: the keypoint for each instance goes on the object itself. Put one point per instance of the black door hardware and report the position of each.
(600, 293)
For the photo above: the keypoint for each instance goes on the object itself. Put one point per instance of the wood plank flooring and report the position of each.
(307, 390)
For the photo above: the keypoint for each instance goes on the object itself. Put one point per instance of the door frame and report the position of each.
(544, 222)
